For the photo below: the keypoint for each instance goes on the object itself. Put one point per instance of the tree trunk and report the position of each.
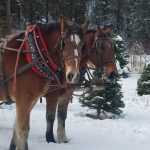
(31, 11)
(8, 18)
(47, 10)
(98, 112)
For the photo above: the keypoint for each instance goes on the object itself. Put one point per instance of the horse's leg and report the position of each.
(21, 130)
(15, 143)
(51, 103)
(62, 115)
(13, 140)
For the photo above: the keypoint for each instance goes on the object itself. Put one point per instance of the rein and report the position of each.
(76, 85)
(29, 29)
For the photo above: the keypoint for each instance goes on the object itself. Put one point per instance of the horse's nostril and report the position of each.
(70, 76)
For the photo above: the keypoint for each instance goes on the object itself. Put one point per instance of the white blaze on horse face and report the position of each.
(75, 38)
(76, 54)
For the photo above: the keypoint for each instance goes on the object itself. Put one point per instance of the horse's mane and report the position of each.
(46, 28)
(105, 34)
(90, 31)
(73, 28)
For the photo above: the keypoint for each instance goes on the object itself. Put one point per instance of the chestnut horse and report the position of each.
(98, 49)
(64, 53)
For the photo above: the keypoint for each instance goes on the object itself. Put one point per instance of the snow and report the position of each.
(147, 63)
(127, 133)
(118, 65)
(125, 69)
(118, 38)
(146, 82)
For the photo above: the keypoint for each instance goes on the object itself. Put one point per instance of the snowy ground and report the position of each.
(128, 133)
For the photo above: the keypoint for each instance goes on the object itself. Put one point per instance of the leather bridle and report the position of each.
(97, 46)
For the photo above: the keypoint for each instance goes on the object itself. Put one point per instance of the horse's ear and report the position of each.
(99, 31)
(63, 25)
(84, 26)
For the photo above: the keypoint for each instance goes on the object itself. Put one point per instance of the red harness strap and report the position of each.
(52, 64)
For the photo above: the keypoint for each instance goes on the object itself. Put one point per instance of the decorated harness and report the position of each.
(37, 50)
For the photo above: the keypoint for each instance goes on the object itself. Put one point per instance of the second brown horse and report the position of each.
(98, 49)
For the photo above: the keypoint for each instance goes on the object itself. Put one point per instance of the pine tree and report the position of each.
(113, 96)
(143, 84)
(104, 100)
(93, 99)
(121, 55)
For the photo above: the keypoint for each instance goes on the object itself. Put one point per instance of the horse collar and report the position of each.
(37, 50)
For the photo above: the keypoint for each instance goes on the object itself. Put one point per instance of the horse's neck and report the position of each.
(87, 52)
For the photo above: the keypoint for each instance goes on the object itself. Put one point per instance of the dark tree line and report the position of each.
(15, 13)
(130, 18)
(109, 12)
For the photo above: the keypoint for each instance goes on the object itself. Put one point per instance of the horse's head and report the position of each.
(105, 52)
(64, 40)
(72, 43)
(99, 50)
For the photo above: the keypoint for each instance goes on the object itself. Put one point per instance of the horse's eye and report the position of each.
(63, 44)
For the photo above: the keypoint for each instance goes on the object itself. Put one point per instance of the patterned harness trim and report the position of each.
(33, 54)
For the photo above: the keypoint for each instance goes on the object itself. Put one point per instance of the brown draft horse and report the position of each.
(64, 50)
(98, 49)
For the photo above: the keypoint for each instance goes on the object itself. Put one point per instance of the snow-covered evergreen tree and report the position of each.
(121, 55)
(143, 84)
(104, 100)
(113, 95)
